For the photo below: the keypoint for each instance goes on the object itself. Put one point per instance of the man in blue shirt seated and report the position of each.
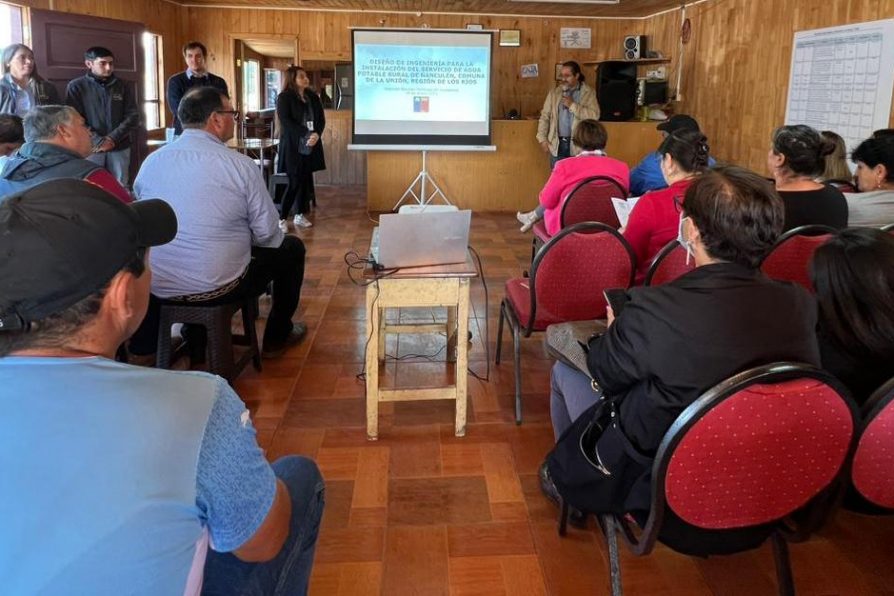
(118, 478)
(647, 174)
(228, 244)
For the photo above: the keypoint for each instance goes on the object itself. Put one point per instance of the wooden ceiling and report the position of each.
(625, 8)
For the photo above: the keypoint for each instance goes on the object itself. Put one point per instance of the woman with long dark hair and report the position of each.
(853, 274)
(21, 88)
(301, 124)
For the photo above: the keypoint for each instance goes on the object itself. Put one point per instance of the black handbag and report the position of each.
(596, 468)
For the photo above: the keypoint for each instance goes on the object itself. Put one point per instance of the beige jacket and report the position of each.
(548, 129)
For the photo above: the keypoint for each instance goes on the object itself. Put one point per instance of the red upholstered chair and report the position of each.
(668, 265)
(567, 279)
(590, 200)
(843, 185)
(739, 461)
(872, 472)
(789, 259)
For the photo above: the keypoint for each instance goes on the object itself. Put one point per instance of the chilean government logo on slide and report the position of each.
(420, 104)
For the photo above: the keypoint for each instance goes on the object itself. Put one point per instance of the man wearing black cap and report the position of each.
(647, 175)
(117, 475)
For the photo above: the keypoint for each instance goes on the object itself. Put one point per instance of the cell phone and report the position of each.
(617, 298)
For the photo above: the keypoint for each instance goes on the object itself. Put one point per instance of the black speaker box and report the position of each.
(616, 90)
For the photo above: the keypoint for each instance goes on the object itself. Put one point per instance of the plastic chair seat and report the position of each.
(217, 320)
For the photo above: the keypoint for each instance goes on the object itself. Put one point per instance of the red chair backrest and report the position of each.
(571, 271)
(591, 200)
(759, 453)
(790, 259)
(872, 473)
(669, 264)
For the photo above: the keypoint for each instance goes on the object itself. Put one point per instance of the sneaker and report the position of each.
(277, 349)
(301, 222)
(284, 226)
(527, 219)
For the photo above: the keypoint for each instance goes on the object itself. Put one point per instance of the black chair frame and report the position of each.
(656, 262)
(873, 406)
(887, 227)
(507, 313)
(818, 508)
(812, 230)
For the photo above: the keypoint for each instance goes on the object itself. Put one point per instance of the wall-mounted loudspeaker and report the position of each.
(634, 47)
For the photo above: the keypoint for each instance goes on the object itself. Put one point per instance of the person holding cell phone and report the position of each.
(301, 123)
(672, 342)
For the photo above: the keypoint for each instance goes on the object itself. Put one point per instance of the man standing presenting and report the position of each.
(228, 245)
(110, 110)
(195, 75)
(564, 107)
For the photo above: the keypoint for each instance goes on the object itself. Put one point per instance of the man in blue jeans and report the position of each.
(117, 477)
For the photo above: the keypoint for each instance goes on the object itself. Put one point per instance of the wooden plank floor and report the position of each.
(423, 512)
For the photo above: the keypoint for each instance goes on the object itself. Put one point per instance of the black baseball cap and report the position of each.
(64, 239)
(678, 122)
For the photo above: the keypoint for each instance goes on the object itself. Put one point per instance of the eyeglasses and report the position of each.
(235, 113)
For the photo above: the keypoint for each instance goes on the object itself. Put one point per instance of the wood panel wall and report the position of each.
(736, 66)
(735, 69)
(326, 36)
(160, 17)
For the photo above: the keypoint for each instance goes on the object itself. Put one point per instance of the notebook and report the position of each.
(421, 239)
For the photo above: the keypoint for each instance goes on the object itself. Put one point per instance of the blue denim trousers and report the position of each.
(289, 571)
(570, 396)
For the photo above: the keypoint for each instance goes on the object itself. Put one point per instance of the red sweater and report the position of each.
(570, 172)
(653, 223)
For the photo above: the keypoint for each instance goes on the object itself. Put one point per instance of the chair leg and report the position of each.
(249, 318)
(220, 346)
(609, 528)
(516, 348)
(163, 347)
(783, 565)
(500, 332)
(563, 518)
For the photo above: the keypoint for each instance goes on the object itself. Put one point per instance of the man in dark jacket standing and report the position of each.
(110, 109)
(195, 75)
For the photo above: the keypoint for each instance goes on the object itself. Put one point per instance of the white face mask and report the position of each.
(683, 242)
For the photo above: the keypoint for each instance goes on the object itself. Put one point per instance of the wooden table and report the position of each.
(445, 285)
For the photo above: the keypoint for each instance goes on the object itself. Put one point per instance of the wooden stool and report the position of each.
(217, 320)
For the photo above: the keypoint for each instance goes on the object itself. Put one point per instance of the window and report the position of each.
(251, 92)
(11, 29)
(153, 93)
(272, 83)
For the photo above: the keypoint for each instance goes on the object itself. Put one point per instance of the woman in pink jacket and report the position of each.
(591, 137)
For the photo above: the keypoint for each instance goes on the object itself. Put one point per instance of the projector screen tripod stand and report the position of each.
(423, 179)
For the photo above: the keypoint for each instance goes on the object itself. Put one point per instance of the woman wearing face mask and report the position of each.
(653, 221)
(796, 158)
(20, 87)
(676, 340)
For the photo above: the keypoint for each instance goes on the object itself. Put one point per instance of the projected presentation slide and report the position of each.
(421, 86)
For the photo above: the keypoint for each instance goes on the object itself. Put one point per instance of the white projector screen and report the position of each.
(421, 88)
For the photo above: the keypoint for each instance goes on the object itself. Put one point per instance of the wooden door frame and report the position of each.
(232, 38)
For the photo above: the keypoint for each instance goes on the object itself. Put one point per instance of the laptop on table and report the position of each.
(421, 239)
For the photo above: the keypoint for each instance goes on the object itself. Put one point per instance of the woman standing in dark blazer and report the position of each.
(301, 124)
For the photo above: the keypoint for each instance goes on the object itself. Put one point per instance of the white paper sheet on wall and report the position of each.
(842, 79)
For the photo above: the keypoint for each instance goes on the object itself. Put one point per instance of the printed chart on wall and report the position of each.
(842, 79)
